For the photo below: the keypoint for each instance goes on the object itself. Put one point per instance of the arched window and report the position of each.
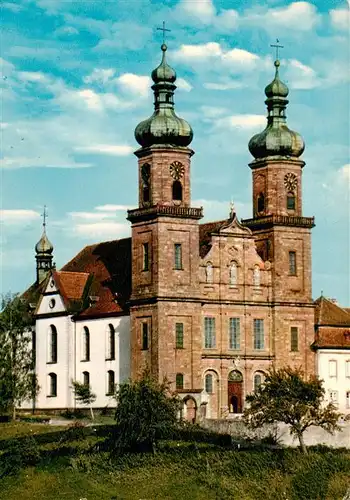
(86, 378)
(209, 383)
(52, 344)
(233, 274)
(209, 272)
(85, 344)
(290, 201)
(52, 389)
(177, 191)
(110, 382)
(256, 276)
(146, 177)
(261, 202)
(110, 354)
(258, 380)
(179, 381)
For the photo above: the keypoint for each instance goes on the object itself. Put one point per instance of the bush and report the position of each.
(20, 453)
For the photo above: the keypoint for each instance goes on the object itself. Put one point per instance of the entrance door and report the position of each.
(235, 392)
(191, 410)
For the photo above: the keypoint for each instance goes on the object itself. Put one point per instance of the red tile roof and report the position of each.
(109, 264)
(71, 284)
(330, 314)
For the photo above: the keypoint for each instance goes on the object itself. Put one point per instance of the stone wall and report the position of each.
(313, 435)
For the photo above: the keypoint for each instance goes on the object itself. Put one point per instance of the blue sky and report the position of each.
(75, 83)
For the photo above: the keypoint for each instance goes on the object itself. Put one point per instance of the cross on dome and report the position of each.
(164, 29)
(277, 46)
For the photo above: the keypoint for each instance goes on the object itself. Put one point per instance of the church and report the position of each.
(211, 306)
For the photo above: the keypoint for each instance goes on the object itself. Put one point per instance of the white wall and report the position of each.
(340, 383)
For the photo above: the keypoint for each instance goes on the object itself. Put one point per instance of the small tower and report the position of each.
(43, 250)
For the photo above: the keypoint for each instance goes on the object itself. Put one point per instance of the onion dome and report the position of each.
(44, 246)
(277, 139)
(164, 126)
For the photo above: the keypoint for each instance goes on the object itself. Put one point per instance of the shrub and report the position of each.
(20, 453)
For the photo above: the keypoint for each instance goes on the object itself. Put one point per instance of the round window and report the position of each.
(52, 303)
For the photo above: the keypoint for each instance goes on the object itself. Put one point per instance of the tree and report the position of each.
(287, 396)
(83, 394)
(146, 412)
(18, 381)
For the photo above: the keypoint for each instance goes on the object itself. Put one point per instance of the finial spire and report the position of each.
(232, 209)
(277, 46)
(164, 29)
(44, 216)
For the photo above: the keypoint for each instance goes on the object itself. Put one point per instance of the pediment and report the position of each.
(234, 227)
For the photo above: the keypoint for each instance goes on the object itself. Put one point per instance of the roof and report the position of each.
(71, 284)
(109, 265)
(205, 232)
(330, 314)
(332, 338)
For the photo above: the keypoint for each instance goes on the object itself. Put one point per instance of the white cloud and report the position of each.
(136, 84)
(212, 111)
(66, 30)
(11, 6)
(200, 51)
(301, 76)
(218, 209)
(228, 85)
(242, 121)
(91, 215)
(23, 162)
(102, 230)
(340, 19)
(107, 149)
(113, 208)
(345, 173)
(297, 16)
(18, 216)
(183, 84)
(100, 75)
(203, 10)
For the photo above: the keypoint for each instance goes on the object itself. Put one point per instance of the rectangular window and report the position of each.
(209, 333)
(235, 333)
(290, 201)
(347, 368)
(333, 396)
(258, 334)
(178, 256)
(332, 368)
(179, 381)
(145, 256)
(348, 399)
(292, 263)
(294, 339)
(144, 333)
(179, 334)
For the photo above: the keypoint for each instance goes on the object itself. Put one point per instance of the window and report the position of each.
(145, 257)
(179, 381)
(52, 303)
(234, 333)
(52, 344)
(110, 382)
(233, 273)
(145, 176)
(256, 276)
(144, 340)
(209, 383)
(85, 344)
(332, 368)
(292, 263)
(347, 368)
(294, 339)
(209, 273)
(110, 354)
(177, 191)
(290, 201)
(86, 378)
(333, 396)
(209, 333)
(348, 399)
(257, 381)
(178, 256)
(261, 202)
(179, 335)
(258, 334)
(52, 392)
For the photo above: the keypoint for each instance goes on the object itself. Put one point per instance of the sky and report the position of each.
(76, 81)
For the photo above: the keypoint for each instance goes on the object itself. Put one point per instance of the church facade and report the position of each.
(211, 306)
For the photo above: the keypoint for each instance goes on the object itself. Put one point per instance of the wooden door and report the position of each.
(235, 396)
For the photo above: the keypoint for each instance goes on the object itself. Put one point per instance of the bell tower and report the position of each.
(282, 233)
(165, 247)
(43, 250)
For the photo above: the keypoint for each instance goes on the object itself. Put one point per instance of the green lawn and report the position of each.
(71, 467)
